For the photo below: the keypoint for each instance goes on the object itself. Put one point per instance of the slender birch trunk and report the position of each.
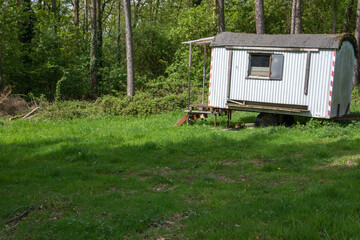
(259, 15)
(129, 49)
(93, 49)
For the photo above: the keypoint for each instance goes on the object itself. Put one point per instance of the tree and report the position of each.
(76, 13)
(1, 71)
(259, 17)
(99, 32)
(129, 49)
(118, 39)
(348, 14)
(333, 25)
(93, 49)
(293, 9)
(296, 17)
(221, 15)
(297, 21)
(357, 36)
(86, 17)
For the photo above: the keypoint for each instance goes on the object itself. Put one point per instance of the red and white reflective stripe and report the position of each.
(331, 83)
(211, 71)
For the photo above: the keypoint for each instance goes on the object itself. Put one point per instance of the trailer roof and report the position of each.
(324, 41)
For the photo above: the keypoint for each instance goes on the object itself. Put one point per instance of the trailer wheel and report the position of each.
(266, 120)
(288, 120)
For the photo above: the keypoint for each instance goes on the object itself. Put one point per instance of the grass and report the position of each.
(141, 178)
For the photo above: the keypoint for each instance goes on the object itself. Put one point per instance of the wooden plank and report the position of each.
(306, 85)
(267, 108)
(181, 121)
(229, 74)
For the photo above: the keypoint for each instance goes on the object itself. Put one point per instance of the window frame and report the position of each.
(268, 77)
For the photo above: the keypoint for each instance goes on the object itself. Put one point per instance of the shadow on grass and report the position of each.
(263, 146)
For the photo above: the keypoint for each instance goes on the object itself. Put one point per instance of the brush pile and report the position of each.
(11, 104)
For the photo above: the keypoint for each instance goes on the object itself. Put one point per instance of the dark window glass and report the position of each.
(260, 60)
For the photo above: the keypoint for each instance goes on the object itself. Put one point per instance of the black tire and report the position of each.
(266, 120)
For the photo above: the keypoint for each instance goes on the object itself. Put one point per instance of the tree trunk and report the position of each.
(214, 12)
(292, 27)
(129, 49)
(357, 36)
(1, 69)
(333, 25)
(348, 14)
(99, 52)
(86, 29)
(93, 49)
(297, 27)
(221, 15)
(118, 42)
(76, 13)
(259, 17)
(53, 9)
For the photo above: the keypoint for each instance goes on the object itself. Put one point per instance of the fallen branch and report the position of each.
(25, 115)
(23, 214)
(32, 207)
(6, 95)
(34, 110)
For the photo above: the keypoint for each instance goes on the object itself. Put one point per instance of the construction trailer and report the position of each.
(279, 76)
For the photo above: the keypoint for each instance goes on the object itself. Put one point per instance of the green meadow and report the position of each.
(142, 178)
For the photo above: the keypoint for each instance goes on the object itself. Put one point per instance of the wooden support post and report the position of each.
(204, 75)
(215, 121)
(188, 114)
(347, 109)
(228, 119)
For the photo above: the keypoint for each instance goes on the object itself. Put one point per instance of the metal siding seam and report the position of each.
(331, 82)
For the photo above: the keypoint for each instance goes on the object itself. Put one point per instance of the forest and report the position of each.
(76, 50)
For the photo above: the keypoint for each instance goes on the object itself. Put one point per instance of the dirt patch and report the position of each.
(258, 162)
(229, 162)
(348, 163)
(163, 188)
(221, 178)
(243, 178)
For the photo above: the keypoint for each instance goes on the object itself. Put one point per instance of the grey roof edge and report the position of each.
(319, 41)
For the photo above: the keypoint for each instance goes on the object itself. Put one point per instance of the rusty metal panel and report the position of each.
(218, 77)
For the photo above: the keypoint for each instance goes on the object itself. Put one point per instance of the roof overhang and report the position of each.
(200, 41)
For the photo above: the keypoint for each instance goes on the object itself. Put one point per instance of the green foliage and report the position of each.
(140, 104)
(40, 42)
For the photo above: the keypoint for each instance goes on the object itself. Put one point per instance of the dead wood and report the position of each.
(18, 217)
(34, 206)
(8, 89)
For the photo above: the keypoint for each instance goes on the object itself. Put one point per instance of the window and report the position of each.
(265, 65)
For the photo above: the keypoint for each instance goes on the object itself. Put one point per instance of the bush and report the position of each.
(141, 104)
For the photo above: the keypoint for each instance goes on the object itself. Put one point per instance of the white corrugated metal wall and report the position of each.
(218, 77)
(289, 90)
